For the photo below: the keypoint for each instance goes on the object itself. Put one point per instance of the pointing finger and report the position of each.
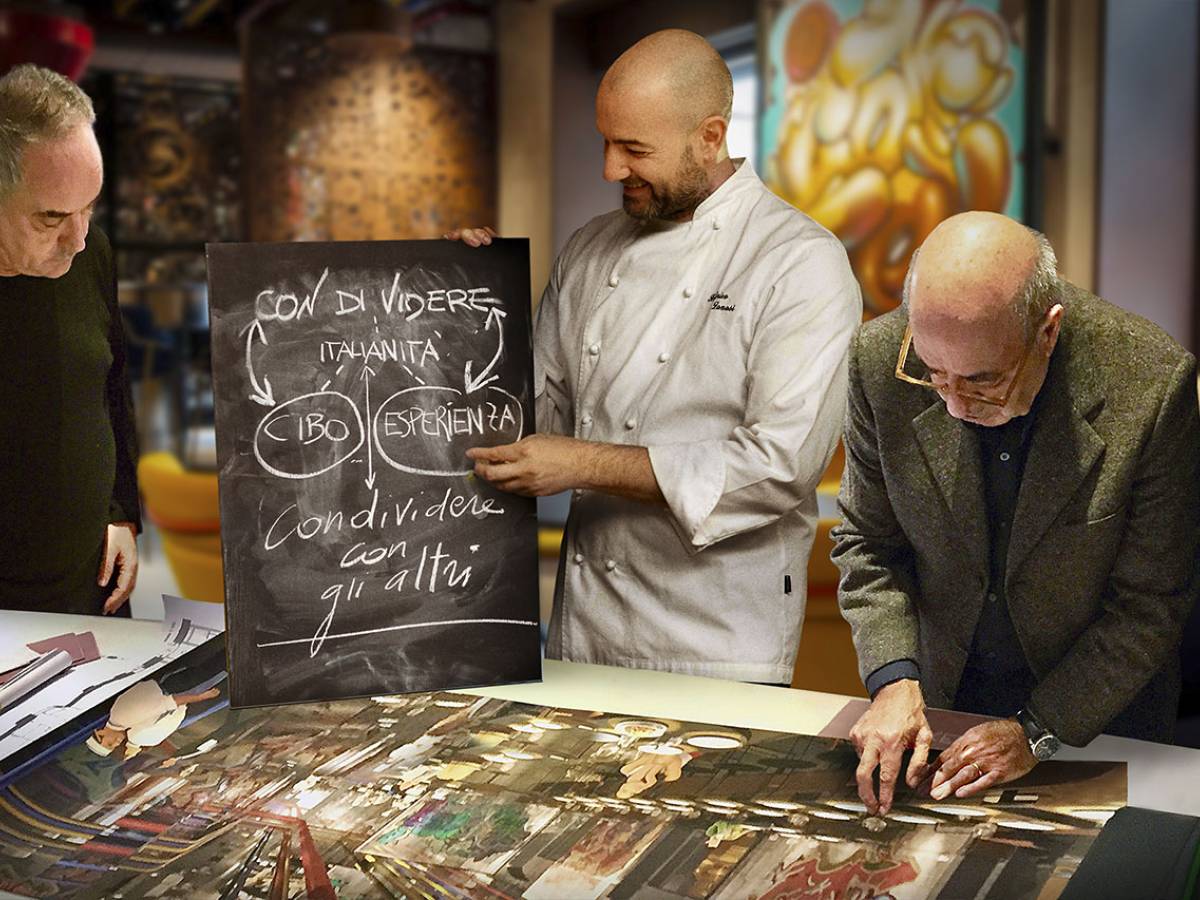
(865, 776)
(495, 472)
(500, 453)
(889, 771)
(917, 765)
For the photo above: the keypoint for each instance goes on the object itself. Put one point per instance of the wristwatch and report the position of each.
(1043, 743)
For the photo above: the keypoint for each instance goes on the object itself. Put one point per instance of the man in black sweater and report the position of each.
(69, 512)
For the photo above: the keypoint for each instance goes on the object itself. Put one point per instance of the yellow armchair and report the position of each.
(183, 506)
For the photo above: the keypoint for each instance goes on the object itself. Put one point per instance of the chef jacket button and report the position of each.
(991, 598)
(578, 559)
(716, 225)
(594, 349)
(630, 424)
(687, 291)
(586, 420)
(614, 279)
(664, 356)
(610, 564)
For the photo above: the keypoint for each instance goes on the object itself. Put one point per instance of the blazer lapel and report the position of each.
(1063, 450)
(951, 452)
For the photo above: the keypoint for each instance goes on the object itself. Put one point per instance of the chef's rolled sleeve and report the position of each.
(796, 383)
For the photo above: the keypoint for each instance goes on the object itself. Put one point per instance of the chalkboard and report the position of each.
(362, 556)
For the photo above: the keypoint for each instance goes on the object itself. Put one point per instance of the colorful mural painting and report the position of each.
(883, 117)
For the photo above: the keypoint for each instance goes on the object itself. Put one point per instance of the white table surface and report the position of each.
(113, 636)
(1160, 777)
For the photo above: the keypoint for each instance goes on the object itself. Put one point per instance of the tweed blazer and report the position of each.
(1102, 569)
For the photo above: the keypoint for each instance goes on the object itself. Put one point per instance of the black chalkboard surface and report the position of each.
(361, 554)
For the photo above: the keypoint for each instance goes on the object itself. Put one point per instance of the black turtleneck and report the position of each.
(68, 444)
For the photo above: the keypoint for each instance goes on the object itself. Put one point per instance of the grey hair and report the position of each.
(38, 105)
(1040, 291)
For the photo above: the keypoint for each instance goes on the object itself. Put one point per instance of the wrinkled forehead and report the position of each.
(63, 175)
(966, 343)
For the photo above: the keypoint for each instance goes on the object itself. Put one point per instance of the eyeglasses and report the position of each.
(943, 389)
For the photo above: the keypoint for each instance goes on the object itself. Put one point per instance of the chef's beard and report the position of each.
(669, 202)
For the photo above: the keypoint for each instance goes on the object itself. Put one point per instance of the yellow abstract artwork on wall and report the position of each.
(881, 118)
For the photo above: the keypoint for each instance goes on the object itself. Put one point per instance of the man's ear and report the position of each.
(712, 133)
(1052, 327)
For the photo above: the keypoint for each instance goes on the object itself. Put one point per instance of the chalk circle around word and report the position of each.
(427, 430)
(309, 435)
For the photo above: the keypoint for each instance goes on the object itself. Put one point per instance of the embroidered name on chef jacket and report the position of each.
(714, 302)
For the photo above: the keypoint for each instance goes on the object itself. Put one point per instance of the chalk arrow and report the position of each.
(367, 372)
(262, 392)
(482, 380)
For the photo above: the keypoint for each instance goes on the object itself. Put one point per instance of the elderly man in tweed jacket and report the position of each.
(1020, 510)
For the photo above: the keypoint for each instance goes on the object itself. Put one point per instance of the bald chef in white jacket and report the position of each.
(690, 377)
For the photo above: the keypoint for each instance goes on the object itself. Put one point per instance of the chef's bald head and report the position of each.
(663, 110)
(676, 71)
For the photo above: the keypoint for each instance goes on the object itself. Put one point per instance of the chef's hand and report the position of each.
(643, 772)
(120, 552)
(893, 723)
(535, 466)
(988, 754)
(472, 237)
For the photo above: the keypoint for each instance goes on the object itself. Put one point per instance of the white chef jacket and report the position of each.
(720, 344)
(148, 715)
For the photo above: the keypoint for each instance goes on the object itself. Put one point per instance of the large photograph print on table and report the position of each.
(449, 796)
(361, 554)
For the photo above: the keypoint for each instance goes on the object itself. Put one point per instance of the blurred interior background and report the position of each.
(280, 120)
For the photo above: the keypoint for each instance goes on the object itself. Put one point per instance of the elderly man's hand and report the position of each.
(894, 722)
(472, 237)
(988, 754)
(535, 466)
(120, 553)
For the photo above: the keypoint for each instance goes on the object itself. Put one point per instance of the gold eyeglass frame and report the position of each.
(902, 359)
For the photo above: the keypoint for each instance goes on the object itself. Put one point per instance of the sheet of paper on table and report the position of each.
(189, 624)
(80, 646)
(191, 620)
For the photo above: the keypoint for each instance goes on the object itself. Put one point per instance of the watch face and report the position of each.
(1045, 747)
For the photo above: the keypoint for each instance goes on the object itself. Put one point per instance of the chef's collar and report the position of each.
(715, 209)
(717, 205)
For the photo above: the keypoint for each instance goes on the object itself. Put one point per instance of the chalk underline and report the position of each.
(331, 637)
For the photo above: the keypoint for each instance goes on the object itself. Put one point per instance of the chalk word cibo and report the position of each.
(424, 430)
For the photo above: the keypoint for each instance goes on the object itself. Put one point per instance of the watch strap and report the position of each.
(1030, 725)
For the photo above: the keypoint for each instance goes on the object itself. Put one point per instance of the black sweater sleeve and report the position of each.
(125, 505)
